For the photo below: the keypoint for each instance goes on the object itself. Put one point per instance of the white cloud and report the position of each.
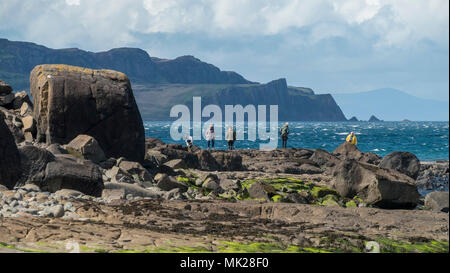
(73, 2)
(395, 22)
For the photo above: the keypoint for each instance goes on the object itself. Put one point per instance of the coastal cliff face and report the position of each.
(163, 83)
(17, 59)
(294, 104)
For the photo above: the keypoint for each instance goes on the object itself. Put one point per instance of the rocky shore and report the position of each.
(75, 165)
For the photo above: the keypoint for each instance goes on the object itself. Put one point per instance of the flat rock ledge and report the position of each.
(156, 225)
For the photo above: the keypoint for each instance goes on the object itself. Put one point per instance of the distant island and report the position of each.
(374, 119)
(391, 105)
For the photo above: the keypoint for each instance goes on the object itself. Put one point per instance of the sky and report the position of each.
(339, 46)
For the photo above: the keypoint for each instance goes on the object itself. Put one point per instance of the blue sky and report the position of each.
(339, 46)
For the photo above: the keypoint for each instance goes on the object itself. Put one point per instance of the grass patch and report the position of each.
(234, 247)
(319, 195)
(395, 246)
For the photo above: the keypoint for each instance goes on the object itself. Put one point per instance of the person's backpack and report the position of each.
(284, 131)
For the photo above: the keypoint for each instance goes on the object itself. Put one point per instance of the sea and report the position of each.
(429, 141)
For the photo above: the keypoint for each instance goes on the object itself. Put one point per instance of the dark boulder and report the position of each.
(69, 101)
(380, 187)
(68, 172)
(10, 170)
(34, 162)
(404, 162)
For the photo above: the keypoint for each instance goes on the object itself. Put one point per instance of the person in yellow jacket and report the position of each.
(352, 138)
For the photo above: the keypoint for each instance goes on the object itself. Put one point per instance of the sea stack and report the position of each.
(374, 119)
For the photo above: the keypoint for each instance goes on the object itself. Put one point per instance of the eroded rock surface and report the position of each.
(69, 101)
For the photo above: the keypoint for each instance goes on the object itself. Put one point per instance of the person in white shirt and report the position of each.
(210, 136)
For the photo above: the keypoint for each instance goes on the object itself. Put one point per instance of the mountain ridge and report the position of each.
(161, 83)
(17, 59)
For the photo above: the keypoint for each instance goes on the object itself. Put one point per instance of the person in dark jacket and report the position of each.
(284, 132)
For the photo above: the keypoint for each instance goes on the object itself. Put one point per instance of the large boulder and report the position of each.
(53, 172)
(10, 170)
(379, 187)
(69, 101)
(87, 147)
(68, 172)
(404, 162)
(437, 201)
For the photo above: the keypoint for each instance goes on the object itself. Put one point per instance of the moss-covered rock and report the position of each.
(330, 200)
(351, 204)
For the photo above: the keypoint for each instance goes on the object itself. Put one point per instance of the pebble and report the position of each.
(29, 201)
(57, 211)
(13, 203)
(69, 207)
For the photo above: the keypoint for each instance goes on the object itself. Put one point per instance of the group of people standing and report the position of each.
(210, 137)
(230, 137)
